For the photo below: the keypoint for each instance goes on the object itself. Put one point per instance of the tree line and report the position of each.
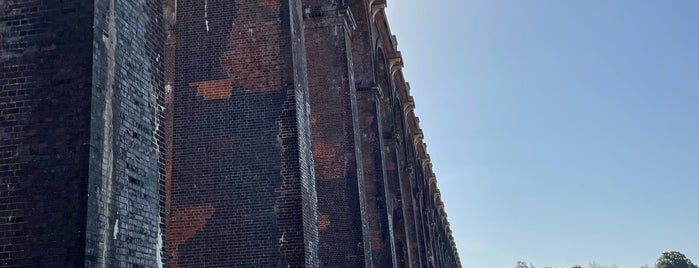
(669, 259)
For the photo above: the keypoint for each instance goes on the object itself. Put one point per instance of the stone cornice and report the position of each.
(377, 6)
(396, 63)
(331, 11)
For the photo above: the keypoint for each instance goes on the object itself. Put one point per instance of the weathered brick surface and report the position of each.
(45, 87)
(126, 135)
(81, 83)
(363, 41)
(343, 240)
(391, 129)
(403, 171)
(379, 207)
(129, 128)
(375, 187)
(242, 191)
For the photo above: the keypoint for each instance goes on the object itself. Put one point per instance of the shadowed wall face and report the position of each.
(382, 235)
(44, 131)
(369, 92)
(237, 185)
(79, 148)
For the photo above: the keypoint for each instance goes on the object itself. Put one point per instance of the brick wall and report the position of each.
(343, 240)
(243, 133)
(126, 136)
(364, 66)
(45, 87)
(384, 253)
(80, 105)
(242, 191)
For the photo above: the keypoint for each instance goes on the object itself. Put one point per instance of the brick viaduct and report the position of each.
(211, 133)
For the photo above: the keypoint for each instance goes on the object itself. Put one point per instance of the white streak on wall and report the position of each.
(206, 15)
(107, 131)
(116, 229)
(157, 109)
(159, 250)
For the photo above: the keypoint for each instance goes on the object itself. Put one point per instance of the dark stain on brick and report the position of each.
(235, 136)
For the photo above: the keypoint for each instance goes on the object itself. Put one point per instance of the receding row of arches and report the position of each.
(414, 216)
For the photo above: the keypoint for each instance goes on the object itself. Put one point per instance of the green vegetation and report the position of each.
(670, 259)
(674, 259)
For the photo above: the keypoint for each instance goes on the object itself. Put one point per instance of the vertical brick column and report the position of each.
(391, 139)
(45, 89)
(413, 174)
(434, 238)
(363, 53)
(405, 178)
(422, 213)
(375, 186)
(170, 39)
(126, 135)
(395, 204)
(369, 96)
(79, 150)
(412, 180)
(242, 192)
(341, 208)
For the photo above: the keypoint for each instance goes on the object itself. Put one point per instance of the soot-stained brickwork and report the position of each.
(384, 253)
(80, 146)
(398, 201)
(211, 133)
(375, 185)
(242, 193)
(126, 137)
(45, 89)
(335, 149)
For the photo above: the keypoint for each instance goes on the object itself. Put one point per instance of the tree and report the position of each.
(674, 259)
(597, 265)
(521, 264)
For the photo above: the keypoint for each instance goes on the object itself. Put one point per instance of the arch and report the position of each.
(382, 73)
(363, 49)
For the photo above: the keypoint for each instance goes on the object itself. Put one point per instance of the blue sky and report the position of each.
(561, 132)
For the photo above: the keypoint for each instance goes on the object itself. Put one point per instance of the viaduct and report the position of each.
(211, 133)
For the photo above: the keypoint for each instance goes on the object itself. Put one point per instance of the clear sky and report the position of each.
(562, 132)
